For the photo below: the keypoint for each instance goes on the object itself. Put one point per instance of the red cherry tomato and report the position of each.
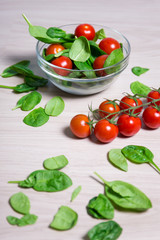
(98, 63)
(54, 48)
(128, 125)
(106, 108)
(105, 131)
(79, 126)
(155, 95)
(85, 30)
(109, 44)
(127, 102)
(151, 117)
(63, 62)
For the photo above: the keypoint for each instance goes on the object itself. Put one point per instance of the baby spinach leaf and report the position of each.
(46, 181)
(27, 219)
(54, 32)
(67, 45)
(95, 51)
(85, 66)
(116, 157)
(126, 196)
(115, 57)
(20, 203)
(139, 88)
(139, 154)
(100, 207)
(23, 70)
(80, 50)
(99, 35)
(55, 106)
(29, 101)
(9, 72)
(55, 163)
(139, 70)
(36, 118)
(66, 218)
(35, 81)
(20, 88)
(75, 193)
(105, 231)
(69, 37)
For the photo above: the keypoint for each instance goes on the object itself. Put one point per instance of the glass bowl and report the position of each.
(82, 82)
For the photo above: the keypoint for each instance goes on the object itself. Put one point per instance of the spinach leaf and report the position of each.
(36, 118)
(51, 56)
(55, 106)
(80, 50)
(23, 70)
(35, 81)
(139, 154)
(9, 72)
(27, 219)
(85, 66)
(139, 70)
(69, 37)
(20, 203)
(46, 181)
(99, 35)
(95, 51)
(75, 193)
(29, 101)
(54, 32)
(139, 88)
(126, 196)
(55, 163)
(115, 57)
(67, 45)
(116, 157)
(66, 218)
(20, 88)
(105, 231)
(100, 207)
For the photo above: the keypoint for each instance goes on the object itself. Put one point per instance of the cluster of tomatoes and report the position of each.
(88, 31)
(120, 118)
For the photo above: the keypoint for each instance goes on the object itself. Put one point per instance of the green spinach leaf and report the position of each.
(100, 207)
(35, 81)
(20, 88)
(54, 32)
(139, 88)
(55, 163)
(80, 50)
(105, 231)
(27, 219)
(99, 35)
(85, 66)
(116, 157)
(9, 72)
(66, 218)
(115, 57)
(75, 193)
(55, 106)
(36, 118)
(139, 70)
(20, 203)
(95, 51)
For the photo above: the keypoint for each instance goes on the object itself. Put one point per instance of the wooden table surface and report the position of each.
(23, 149)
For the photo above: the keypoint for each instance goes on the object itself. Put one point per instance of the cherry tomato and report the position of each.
(127, 102)
(63, 62)
(54, 48)
(151, 117)
(105, 131)
(128, 125)
(98, 63)
(109, 44)
(106, 108)
(155, 95)
(85, 30)
(79, 126)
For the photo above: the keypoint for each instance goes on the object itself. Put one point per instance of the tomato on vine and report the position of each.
(128, 102)
(109, 44)
(105, 131)
(151, 117)
(85, 30)
(63, 62)
(154, 95)
(107, 107)
(79, 126)
(128, 125)
(54, 48)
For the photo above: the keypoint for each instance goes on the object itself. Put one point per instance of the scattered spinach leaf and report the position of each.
(139, 88)
(126, 196)
(20, 88)
(9, 72)
(35, 81)
(64, 219)
(116, 157)
(80, 50)
(22, 70)
(36, 118)
(20, 203)
(27, 219)
(105, 231)
(46, 181)
(75, 193)
(29, 101)
(100, 207)
(139, 70)
(54, 107)
(99, 35)
(55, 163)
(139, 154)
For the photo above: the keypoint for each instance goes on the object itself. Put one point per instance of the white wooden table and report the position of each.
(23, 149)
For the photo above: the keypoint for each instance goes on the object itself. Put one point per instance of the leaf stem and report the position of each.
(155, 166)
(14, 181)
(3, 86)
(103, 180)
(26, 19)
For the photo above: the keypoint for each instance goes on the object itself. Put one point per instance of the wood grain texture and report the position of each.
(23, 149)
